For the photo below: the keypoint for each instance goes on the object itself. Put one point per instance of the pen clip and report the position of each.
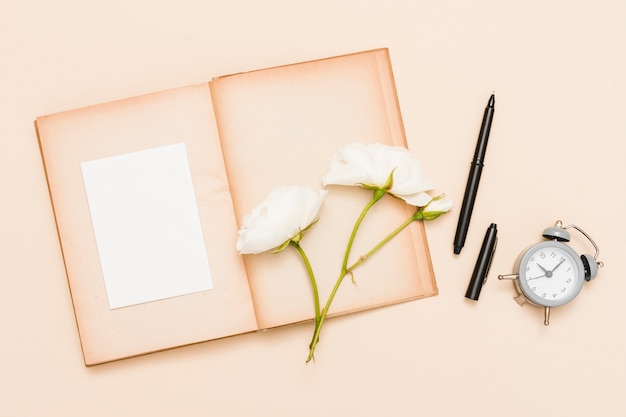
(491, 255)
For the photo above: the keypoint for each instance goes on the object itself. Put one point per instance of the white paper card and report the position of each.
(146, 223)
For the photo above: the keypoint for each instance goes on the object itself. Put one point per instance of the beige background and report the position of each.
(557, 150)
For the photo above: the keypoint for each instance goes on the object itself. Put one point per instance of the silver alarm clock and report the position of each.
(551, 274)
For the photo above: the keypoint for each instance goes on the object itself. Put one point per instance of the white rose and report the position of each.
(281, 217)
(371, 165)
(437, 207)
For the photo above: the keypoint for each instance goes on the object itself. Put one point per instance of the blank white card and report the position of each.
(146, 224)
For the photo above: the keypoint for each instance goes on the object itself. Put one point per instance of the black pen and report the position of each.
(474, 178)
(479, 276)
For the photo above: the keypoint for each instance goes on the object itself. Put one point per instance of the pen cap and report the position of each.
(481, 269)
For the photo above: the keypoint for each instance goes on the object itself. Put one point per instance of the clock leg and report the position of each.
(520, 299)
(546, 320)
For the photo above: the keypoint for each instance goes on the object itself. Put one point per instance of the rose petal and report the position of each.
(371, 165)
(284, 213)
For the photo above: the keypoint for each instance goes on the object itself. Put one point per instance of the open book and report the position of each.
(149, 193)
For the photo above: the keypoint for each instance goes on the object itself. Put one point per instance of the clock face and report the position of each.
(550, 274)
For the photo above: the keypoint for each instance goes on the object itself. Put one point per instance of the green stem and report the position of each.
(416, 216)
(309, 270)
(318, 325)
(347, 270)
(378, 194)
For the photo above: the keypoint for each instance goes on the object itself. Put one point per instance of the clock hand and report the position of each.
(557, 265)
(540, 276)
(546, 273)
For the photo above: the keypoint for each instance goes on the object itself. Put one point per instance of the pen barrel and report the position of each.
(481, 269)
(467, 206)
(474, 177)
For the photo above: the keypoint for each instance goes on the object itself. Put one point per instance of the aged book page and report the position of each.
(241, 135)
(183, 115)
(281, 126)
